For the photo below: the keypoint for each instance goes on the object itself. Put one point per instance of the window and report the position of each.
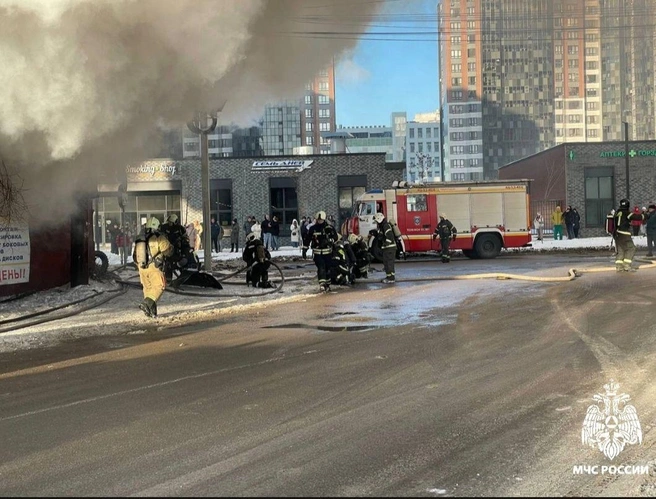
(456, 68)
(421, 146)
(309, 127)
(350, 189)
(471, 52)
(456, 54)
(309, 113)
(309, 140)
(593, 133)
(324, 113)
(417, 202)
(324, 127)
(412, 147)
(598, 195)
(420, 133)
(456, 40)
(412, 133)
(456, 81)
(471, 38)
(471, 80)
(573, 49)
(323, 86)
(428, 133)
(284, 201)
(221, 201)
(471, 66)
(308, 99)
(308, 86)
(324, 99)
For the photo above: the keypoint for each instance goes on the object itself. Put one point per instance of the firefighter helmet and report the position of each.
(152, 223)
(172, 218)
(353, 238)
(379, 217)
(443, 215)
(624, 203)
(321, 215)
(250, 236)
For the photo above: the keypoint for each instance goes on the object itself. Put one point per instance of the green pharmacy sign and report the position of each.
(632, 153)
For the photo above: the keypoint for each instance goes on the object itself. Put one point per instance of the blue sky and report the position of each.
(381, 77)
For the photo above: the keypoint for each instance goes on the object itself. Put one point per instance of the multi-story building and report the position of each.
(281, 128)
(361, 139)
(318, 110)
(544, 72)
(424, 148)
(399, 121)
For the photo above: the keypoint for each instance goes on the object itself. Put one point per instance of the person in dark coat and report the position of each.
(217, 234)
(275, 233)
(568, 218)
(447, 233)
(305, 240)
(266, 231)
(576, 225)
(651, 229)
(247, 226)
(234, 236)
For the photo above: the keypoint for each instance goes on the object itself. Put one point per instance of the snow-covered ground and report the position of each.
(122, 316)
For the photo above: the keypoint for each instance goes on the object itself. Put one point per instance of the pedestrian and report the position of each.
(275, 233)
(322, 237)
(192, 235)
(266, 232)
(636, 221)
(258, 260)
(149, 253)
(331, 220)
(446, 231)
(387, 242)
(294, 233)
(557, 222)
(650, 228)
(234, 236)
(124, 243)
(643, 227)
(113, 234)
(216, 234)
(538, 223)
(625, 247)
(609, 226)
(247, 227)
(576, 226)
(199, 236)
(256, 229)
(305, 240)
(568, 219)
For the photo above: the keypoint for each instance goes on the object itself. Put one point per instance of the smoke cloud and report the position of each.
(85, 83)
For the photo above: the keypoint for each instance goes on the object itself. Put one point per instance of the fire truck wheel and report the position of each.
(487, 246)
(470, 254)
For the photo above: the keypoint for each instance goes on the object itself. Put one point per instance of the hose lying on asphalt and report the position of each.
(219, 294)
(115, 293)
(572, 274)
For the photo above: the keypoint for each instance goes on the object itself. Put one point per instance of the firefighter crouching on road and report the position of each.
(343, 260)
(149, 253)
(322, 236)
(625, 247)
(387, 242)
(362, 256)
(259, 260)
(447, 233)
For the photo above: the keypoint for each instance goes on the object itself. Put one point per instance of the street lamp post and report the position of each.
(626, 157)
(204, 125)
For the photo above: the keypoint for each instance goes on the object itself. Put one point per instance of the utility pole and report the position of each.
(204, 125)
(626, 157)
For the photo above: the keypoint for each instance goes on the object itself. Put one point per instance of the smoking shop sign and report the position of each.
(14, 253)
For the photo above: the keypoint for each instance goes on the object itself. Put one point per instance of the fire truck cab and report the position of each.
(489, 215)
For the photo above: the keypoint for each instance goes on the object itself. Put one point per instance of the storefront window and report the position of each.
(284, 202)
(221, 203)
(598, 195)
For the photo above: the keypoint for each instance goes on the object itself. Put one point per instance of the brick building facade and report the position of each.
(287, 187)
(590, 177)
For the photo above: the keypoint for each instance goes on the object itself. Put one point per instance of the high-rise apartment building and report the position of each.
(542, 72)
(318, 110)
(424, 148)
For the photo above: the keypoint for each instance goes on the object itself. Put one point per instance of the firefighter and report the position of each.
(447, 233)
(322, 236)
(341, 271)
(387, 242)
(150, 250)
(362, 256)
(625, 247)
(177, 236)
(258, 259)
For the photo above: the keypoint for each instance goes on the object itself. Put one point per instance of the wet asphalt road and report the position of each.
(429, 389)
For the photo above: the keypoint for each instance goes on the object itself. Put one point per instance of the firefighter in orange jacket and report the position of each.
(150, 250)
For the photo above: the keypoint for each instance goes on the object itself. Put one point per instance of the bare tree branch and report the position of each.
(13, 207)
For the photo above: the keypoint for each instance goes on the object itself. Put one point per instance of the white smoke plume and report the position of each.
(84, 83)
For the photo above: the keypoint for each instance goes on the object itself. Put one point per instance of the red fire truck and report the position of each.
(489, 215)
